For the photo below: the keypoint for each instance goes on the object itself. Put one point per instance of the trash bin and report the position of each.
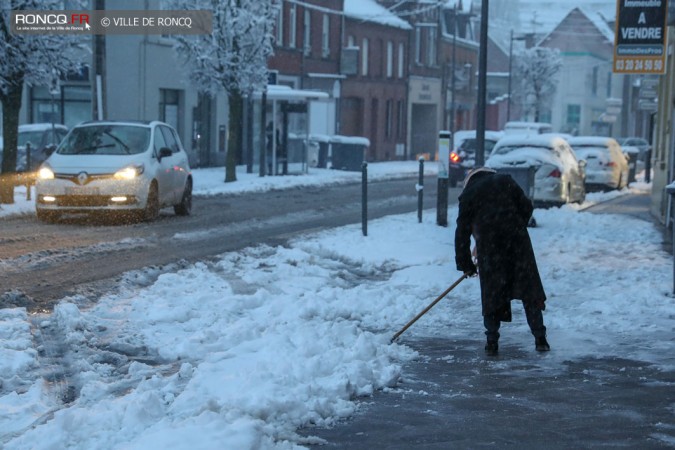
(348, 152)
(524, 176)
(632, 154)
(319, 150)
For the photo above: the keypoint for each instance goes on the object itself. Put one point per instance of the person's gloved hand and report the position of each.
(470, 271)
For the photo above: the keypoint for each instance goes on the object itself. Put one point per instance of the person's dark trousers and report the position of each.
(535, 319)
(491, 327)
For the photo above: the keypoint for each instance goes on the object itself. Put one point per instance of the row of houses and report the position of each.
(394, 72)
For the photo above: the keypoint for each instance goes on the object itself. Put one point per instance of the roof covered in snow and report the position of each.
(370, 11)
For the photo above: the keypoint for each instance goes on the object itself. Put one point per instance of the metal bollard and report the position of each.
(364, 198)
(420, 190)
(28, 170)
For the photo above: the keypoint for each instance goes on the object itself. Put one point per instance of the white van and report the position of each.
(527, 128)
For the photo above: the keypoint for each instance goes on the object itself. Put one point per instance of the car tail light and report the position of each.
(555, 173)
(611, 164)
(454, 157)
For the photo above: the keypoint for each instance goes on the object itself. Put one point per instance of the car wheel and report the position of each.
(151, 211)
(47, 216)
(185, 206)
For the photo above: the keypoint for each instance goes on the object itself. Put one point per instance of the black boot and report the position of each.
(541, 344)
(491, 348)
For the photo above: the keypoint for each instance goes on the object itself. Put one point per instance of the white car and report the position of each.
(559, 175)
(527, 128)
(137, 167)
(606, 165)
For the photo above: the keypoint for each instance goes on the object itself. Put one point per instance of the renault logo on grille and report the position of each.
(82, 177)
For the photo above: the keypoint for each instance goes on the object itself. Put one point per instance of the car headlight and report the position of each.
(129, 172)
(45, 173)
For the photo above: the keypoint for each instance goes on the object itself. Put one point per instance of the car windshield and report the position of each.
(469, 145)
(34, 137)
(106, 140)
(586, 148)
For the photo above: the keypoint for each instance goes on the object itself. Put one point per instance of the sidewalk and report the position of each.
(453, 396)
(635, 205)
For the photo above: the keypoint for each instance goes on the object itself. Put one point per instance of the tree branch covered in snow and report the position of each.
(35, 60)
(536, 70)
(31, 59)
(234, 56)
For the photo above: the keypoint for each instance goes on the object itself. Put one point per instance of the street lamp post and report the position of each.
(508, 102)
(482, 84)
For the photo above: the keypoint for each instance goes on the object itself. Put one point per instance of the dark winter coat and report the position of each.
(495, 210)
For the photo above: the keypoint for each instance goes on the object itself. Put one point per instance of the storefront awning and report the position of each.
(280, 92)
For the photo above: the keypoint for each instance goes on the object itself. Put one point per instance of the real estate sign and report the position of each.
(640, 37)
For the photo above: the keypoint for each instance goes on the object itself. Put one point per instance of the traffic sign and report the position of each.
(640, 37)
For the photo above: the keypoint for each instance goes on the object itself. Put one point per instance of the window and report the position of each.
(293, 19)
(594, 82)
(431, 46)
(545, 115)
(389, 118)
(280, 25)
(418, 45)
(325, 37)
(573, 114)
(169, 106)
(159, 141)
(307, 34)
(70, 107)
(390, 59)
(364, 57)
(401, 60)
(609, 84)
(170, 139)
(400, 117)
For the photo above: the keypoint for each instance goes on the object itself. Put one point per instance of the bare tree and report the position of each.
(233, 58)
(28, 60)
(536, 70)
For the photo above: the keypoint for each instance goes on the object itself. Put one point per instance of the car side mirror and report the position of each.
(49, 149)
(164, 152)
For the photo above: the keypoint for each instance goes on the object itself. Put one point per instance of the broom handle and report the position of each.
(438, 299)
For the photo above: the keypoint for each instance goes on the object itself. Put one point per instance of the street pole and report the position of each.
(262, 169)
(452, 84)
(446, 142)
(508, 103)
(443, 181)
(482, 84)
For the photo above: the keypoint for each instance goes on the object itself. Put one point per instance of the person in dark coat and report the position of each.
(495, 211)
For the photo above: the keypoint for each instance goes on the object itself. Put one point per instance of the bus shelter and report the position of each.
(281, 132)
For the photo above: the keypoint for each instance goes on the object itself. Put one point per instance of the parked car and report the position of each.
(559, 175)
(633, 154)
(641, 144)
(606, 164)
(527, 128)
(463, 158)
(136, 167)
(43, 139)
(638, 142)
